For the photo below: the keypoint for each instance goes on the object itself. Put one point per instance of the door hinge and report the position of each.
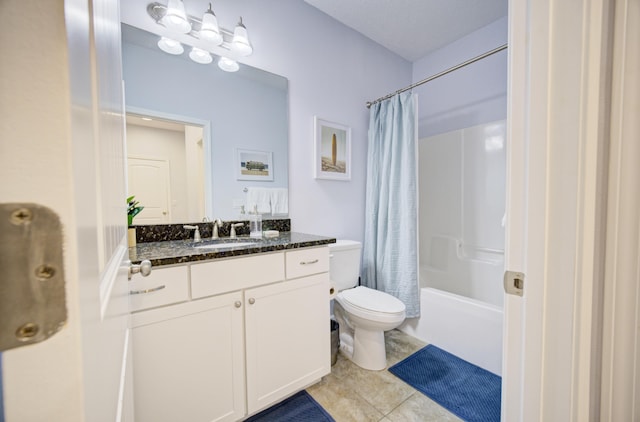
(32, 290)
(514, 283)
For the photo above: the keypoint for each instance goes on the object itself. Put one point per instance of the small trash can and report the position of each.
(335, 341)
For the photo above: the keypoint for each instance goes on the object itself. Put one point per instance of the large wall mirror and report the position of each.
(192, 131)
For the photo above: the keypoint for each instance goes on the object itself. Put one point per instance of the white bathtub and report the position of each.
(467, 328)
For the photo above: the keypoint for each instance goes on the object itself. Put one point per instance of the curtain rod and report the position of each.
(437, 75)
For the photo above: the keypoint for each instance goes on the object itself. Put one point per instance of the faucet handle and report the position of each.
(233, 229)
(196, 235)
(216, 223)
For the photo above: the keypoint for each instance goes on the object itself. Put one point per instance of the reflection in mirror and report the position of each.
(242, 112)
(165, 169)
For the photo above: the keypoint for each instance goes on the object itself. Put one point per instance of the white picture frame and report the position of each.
(260, 165)
(332, 156)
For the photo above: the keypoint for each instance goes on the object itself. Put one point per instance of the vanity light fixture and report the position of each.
(173, 17)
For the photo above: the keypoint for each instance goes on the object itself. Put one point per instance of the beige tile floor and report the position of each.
(352, 394)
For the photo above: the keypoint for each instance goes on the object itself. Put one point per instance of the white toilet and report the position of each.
(364, 314)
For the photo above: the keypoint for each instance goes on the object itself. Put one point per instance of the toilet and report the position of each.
(364, 314)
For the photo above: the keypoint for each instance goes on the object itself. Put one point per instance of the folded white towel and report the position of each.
(279, 201)
(260, 198)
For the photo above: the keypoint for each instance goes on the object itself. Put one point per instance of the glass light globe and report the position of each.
(228, 65)
(198, 55)
(170, 46)
(176, 18)
(240, 43)
(210, 31)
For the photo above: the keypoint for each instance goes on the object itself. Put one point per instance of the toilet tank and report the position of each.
(344, 265)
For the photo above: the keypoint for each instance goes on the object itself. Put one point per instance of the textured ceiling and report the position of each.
(413, 28)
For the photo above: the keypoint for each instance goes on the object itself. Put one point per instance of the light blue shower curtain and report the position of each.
(389, 257)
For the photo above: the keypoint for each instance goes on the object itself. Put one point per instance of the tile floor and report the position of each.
(352, 394)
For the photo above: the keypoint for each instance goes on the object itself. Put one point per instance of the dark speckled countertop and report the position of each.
(181, 251)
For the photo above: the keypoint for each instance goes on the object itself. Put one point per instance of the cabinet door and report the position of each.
(287, 338)
(188, 361)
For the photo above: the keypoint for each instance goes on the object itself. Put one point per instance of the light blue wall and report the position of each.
(470, 96)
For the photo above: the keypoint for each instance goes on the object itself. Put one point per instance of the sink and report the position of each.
(224, 245)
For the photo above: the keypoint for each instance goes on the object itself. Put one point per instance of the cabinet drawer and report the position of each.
(216, 277)
(305, 262)
(162, 287)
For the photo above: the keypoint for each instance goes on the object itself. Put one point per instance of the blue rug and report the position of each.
(464, 389)
(300, 407)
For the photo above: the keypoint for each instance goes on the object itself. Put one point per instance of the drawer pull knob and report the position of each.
(238, 304)
(309, 262)
(251, 301)
(140, 292)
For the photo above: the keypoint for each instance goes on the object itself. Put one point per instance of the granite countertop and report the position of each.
(182, 251)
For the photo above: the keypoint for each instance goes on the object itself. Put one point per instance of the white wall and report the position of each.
(470, 96)
(332, 71)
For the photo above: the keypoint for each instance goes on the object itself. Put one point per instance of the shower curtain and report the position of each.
(390, 256)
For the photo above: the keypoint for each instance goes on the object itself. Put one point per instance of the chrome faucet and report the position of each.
(216, 223)
(196, 234)
(233, 229)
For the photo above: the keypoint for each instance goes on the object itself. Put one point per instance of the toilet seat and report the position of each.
(371, 304)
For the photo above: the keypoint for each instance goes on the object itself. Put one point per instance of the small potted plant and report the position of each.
(133, 208)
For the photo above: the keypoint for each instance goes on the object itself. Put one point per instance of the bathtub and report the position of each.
(467, 328)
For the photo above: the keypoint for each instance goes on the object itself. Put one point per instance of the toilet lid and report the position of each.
(373, 300)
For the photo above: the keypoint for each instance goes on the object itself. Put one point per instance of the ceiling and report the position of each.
(413, 28)
(410, 28)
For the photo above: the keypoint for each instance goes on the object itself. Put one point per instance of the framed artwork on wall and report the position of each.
(254, 165)
(332, 150)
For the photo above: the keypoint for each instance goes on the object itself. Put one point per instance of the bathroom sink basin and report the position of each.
(224, 245)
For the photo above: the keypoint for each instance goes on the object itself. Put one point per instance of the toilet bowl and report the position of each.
(364, 314)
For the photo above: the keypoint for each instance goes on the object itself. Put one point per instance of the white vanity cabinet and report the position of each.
(188, 361)
(287, 338)
(254, 330)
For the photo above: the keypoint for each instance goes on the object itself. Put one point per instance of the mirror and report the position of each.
(242, 116)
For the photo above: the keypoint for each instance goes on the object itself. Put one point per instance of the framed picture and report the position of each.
(254, 165)
(332, 150)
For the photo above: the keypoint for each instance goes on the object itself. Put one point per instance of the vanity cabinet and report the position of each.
(287, 338)
(188, 361)
(254, 330)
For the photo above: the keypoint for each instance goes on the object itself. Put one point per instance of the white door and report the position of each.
(62, 147)
(149, 181)
(557, 140)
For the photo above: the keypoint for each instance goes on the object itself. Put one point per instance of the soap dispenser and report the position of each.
(255, 223)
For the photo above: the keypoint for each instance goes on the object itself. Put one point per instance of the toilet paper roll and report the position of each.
(333, 290)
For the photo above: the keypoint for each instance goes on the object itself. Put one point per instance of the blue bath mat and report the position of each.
(300, 407)
(463, 388)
